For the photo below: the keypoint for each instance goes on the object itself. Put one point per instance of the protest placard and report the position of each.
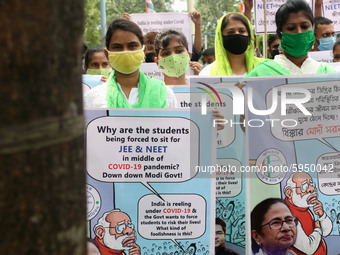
(143, 163)
(293, 142)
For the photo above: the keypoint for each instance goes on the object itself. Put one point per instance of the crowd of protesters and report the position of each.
(124, 85)
(234, 53)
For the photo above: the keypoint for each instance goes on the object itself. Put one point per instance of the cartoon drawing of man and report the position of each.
(230, 220)
(219, 208)
(302, 197)
(239, 236)
(191, 250)
(115, 233)
(333, 215)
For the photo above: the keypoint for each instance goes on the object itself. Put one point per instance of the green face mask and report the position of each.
(174, 65)
(297, 44)
(105, 72)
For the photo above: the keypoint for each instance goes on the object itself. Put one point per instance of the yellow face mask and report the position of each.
(126, 62)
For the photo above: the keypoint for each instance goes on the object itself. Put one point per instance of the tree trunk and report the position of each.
(42, 184)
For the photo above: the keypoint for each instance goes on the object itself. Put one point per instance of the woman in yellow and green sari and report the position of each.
(234, 47)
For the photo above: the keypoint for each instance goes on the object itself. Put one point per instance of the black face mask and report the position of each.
(150, 57)
(273, 53)
(236, 44)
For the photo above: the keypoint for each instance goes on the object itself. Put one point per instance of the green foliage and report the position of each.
(212, 11)
(92, 23)
(114, 9)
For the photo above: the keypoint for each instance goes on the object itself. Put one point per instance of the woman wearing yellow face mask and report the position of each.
(127, 87)
(294, 22)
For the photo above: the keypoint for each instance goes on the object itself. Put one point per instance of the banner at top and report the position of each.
(331, 10)
(157, 22)
(271, 7)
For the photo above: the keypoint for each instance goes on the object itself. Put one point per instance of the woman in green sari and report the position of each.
(294, 26)
(234, 47)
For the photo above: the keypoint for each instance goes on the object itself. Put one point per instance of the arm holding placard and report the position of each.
(318, 8)
(248, 5)
(126, 15)
(197, 47)
(196, 67)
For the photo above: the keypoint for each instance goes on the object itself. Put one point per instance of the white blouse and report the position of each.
(309, 66)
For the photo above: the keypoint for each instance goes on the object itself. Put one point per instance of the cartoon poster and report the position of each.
(293, 135)
(214, 92)
(145, 195)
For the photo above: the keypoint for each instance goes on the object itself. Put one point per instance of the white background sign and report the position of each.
(271, 7)
(331, 10)
(322, 56)
(156, 22)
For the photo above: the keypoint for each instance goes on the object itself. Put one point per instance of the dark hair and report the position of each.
(321, 21)
(89, 53)
(257, 216)
(291, 6)
(163, 39)
(221, 222)
(125, 25)
(149, 38)
(337, 43)
(209, 51)
(271, 39)
(235, 16)
(84, 48)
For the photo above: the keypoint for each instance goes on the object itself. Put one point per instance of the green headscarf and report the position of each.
(152, 93)
(272, 68)
(221, 66)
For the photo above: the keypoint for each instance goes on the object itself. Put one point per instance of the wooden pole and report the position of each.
(42, 184)
(265, 29)
(190, 7)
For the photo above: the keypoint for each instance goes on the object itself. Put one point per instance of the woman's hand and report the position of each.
(126, 15)
(195, 17)
(196, 67)
(217, 116)
(104, 78)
